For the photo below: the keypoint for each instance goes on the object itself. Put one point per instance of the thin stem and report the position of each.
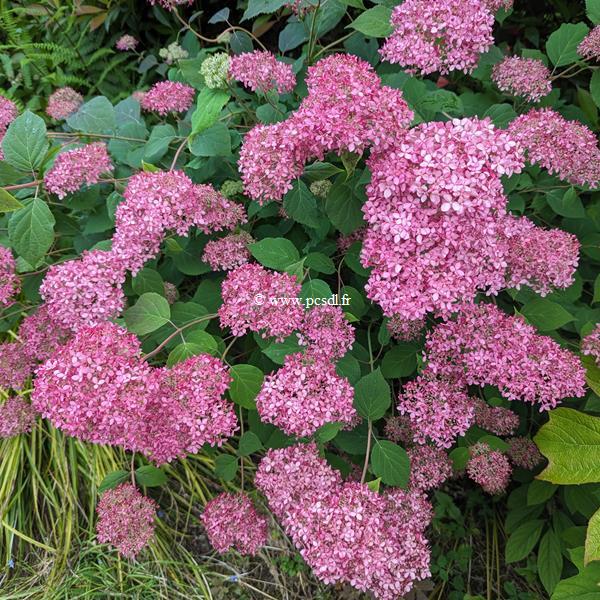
(333, 44)
(241, 457)
(366, 463)
(133, 468)
(60, 134)
(21, 186)
(177, 153)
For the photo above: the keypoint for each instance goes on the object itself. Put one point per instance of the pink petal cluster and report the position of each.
(229, 252)
(405, 330)
(397, 429)
(523, 453)
(86, 291)
(343, 530)
(97, 388)
(429, 467)
(41, 335)
(489, 468)
(232, 522)
(346, 109)
(484, 346)
(305, 394)
(436, 210)
(168, 96)
(63, 102)
(326, 332)
(345, 241)
(74, 168)
(589, 47)
(8, 113)
(16, 417)
(443, 36)
(496, 5)
(15, 365)
(498, 420)
(566, 148)
(126, 42)
(255, 299)
(9, 280)
(126, 519)
(262, 72)
(590, 345)
(526, 77)
(438, 410)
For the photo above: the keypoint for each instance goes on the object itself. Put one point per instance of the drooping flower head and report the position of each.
(261, 71)
(443, 36)
(526, 77)
(126, 42)
(489, 468)
(16, 417)
(126, 519)
(589, 47)
(326, 332)
(9, 280)
(232, 521)
(523, 453)
(590, 345)
(63, 102)
(228, 252)
(74, 168)
(168, 96)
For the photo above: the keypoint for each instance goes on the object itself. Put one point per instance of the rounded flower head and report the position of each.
(262, 72)
(523, 453)
(326, 332)
(63, 103)
(397, 429)
(16, 365)
(8, 113)
(589, 48)
(9, 280)
(255, 299)
(215, 70)
(489, 468)
(498, 420)
(590, 345)
(405, 330)
(228, 252)
(429, 467)
(126, 42)
(305, 394)
(168, 96)
(41, 335)
(172, 53)
(526, 77)
(442, 36)
(231, 521)
(126, 519)
(84, 291)
(16, 417)
(74, 168)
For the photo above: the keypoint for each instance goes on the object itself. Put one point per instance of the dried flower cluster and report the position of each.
(16, 417)
(63, 102)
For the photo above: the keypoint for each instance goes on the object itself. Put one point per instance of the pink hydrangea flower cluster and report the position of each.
(496, 419)
(97, 388)
(126, 42)
(16, 365)
(346, 109)
(305, 394)
(63, 102)
(397, 429)
(442, 36)
(9, 280)
(42, 335)
(228, 252)
(429, 467)
(168, 96)
(231, 521)
(126, 519)
(589, 47)
(74, 168)
(255, 299)
(326, 332)
(436, 210)
(16, 417)
(523, 453)
(590, 345)
(526, 77)
(8, 113)
(438, 410)
(566, 148)
(262, 72)
(484, 346)
(343, 530)
(405, 330)
(489, 468)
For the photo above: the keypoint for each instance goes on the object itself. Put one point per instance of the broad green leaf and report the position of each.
(540, 491)
(301, 205)
(567, 204)
(372, 396)
(150, 312)
(592, 9)
(595, 87)
(208, 108)
(561, 46)
(400, 361)
(592, 373)
(25, 143)
(249, 444)
(95, 116)
(113, 479)
(277, 351)
(327, 432)
(374, 22)
(291, 36)
(549, 561)
(584, 586)
(275, 253)
(523, 540)
(571, 443)
(245, 385)
(390, 462)
(320, 262)
(214, 141)
(316, 292)
(31, 230)
(148, 280)
(354, 441)
(374, 485)
(459, 457)
(150, 476)
(226, 467)
(158, 143)
(546, 315)
(203, 340)
(259, 7)
(184, 351)
(8, 203)
(344, 209)
(592, 539)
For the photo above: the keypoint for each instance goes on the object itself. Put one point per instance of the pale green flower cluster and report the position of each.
(231, 188)
(214, 70)
(172, 53)
(320, 188)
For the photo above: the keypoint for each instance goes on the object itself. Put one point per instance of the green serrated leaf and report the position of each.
(8, 203)
(372, 396)
(549, 561)
(31, 230)
(245, 385)
(374, 22)
(561, 46)
(25, 143)
(150, 476)
(208, 108)
(275, 253)
(523, 540)
(390, 462)
(150, 312)
(546, 315)
(249, 444)
(112, 480)
(226, 467)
